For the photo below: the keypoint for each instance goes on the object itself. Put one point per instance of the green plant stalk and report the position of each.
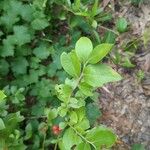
(44, 141)
(56, 144)
(80, 78)
(109, 30)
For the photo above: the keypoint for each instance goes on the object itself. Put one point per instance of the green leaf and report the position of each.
(136, 2)
(86, 89)
(99, 52)
(8, 20)
(51, 114)
(82, 125)
(93, 113)
(77, 4)
(28, 131)
(74, 103)
(42, 52)
(83, 146)
(101, 136)
(83, 122)
(70, 138)
(109, 37)
(71, 64)
(121, 25)
(95, 8)
(73, 117)
(2, 95)
(19, 65)
(21, 35)
(2, 125)
(83, 48)
(26, 12)
(63, 92)
(61, 145)
(8, 46)
(4, 67)
(39, 24)
(138, 147)
(97, 75)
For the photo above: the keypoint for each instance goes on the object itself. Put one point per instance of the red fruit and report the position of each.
(56, 130)
(55, 127)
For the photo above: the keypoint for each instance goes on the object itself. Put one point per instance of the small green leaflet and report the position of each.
(93, 113)
(99, 74)
(39, 24)
(73, 117)
(2, 125)
(42, 51)
(95, 8)
(83, 48)
(101, 136)
(8, 46)
(86, 89)
(21, 35)
(109, 37)
(99, 52)
(71, 64)
(63, 92)
(77, 4)
(83, 146)
(121, 25)
(4, 67)
(138, 147)
(19, 65)
(2, 95)
(70, 138)
(28, 131)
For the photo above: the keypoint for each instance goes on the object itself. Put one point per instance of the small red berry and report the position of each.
(56, 130)
(55, 127)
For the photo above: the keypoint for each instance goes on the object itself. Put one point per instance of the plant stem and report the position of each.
(82, 136)
(55, 148)
(109, 29)
(80, 78)
(34, 117)
(56, 144)
(43, 141)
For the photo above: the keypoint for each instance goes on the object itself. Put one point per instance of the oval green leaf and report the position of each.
(71, 63)
(83, 146)
(2, 125)
(101, 136)
(97, 75)
(99, 52)
(83, 48)
(70, 138)
(122, 25)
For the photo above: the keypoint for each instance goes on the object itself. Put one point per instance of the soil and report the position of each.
(126, 105)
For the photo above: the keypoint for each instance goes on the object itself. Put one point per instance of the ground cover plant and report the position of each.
(51, 63)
